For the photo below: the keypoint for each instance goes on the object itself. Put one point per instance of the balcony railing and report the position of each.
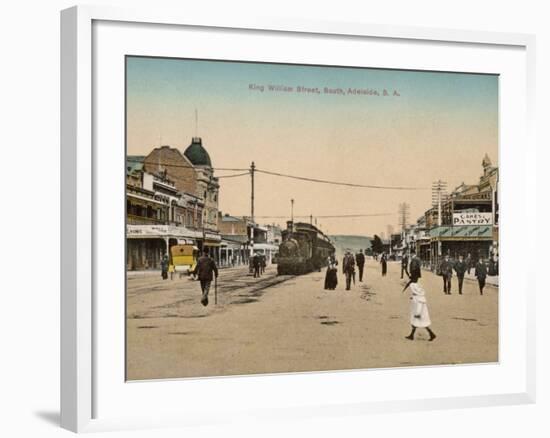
(132, 219)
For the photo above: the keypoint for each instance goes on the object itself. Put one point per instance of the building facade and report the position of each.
(207, 188)
(469, 221)
(171, 198)
(236, 230)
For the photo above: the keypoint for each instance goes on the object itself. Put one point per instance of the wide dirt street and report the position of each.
(288, 324)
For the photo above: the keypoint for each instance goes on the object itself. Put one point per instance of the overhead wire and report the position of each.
(326, 217)
(190, 166)
(233, 176)
(339, 183)
(284, 175)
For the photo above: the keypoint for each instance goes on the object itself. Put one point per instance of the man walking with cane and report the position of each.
(205, 270)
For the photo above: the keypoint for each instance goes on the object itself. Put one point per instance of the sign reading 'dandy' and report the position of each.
(472, 218)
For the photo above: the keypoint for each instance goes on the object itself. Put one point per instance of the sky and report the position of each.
(429, 126)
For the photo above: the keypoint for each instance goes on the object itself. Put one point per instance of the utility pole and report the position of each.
(439, 190)
(292, 212)
(403, 215)
(403, 220)
(390, 232)
(311, 219)
(252, 170)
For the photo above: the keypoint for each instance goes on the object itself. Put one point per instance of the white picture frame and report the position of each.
(79, 217)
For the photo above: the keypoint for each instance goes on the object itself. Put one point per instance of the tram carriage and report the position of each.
(184, 258)
(304, 248)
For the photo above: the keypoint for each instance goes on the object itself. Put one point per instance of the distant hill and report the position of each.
(353, 243)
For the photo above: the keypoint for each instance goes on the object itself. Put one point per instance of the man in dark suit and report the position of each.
(205, 270)
(481, 274)
(263, 263)
(256, 264)
(360, 260)
(415, 267)
(460, 268)
(469, 262)
(404, 265)
(446, 270)
(348, 268)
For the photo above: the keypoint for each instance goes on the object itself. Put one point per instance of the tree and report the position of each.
(377, 245)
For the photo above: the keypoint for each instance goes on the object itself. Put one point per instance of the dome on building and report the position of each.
(197, 154)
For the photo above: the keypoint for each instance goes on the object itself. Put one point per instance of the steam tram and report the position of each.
(304, 248)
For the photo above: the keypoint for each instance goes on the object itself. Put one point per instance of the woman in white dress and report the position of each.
(419, 315)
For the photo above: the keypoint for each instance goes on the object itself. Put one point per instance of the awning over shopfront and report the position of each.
(464, 232)
(161, 232)
(237, 238)
(146, 200)
(265, 246)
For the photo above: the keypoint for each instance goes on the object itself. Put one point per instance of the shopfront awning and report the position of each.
(160, 232)
(266, 246)
(463, 232)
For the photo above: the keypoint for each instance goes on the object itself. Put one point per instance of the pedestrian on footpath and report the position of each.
(446, 271)
(469, 262)
(493, 265)
(360, 260)
(460, 269)
(348, 266)
(419, 317)
(415, 267)
(404, 265)
(481, 274)
(256, 265)
(164, 267)
(205, 270)
(384, 263)
(263, 263)
(331, 277)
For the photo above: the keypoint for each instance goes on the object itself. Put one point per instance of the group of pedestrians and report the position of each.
(460, 267)
(207, 271)
(349, 263)
(259, 264)
(419, 316)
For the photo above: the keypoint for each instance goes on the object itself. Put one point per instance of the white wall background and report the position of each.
(29, 216)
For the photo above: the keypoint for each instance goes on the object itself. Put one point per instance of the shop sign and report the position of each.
(472, 218)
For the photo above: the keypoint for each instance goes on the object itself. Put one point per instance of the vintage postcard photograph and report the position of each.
(287, 218)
